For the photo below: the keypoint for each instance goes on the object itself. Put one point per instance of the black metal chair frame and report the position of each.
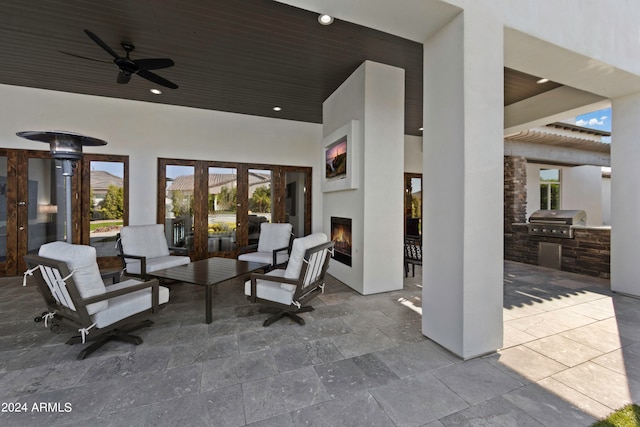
(412, 254)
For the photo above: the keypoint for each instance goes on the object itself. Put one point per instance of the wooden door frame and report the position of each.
(201, 190)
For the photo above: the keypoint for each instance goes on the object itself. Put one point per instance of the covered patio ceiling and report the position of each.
(243, 57)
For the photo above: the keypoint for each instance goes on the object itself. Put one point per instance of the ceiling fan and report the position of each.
(128, 67)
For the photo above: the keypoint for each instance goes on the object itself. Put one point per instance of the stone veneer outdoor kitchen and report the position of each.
(587, 253)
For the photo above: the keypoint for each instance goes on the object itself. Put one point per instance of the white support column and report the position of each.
(463, 185)
(625, 195)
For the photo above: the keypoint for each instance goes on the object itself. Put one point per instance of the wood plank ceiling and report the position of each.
(237, 56)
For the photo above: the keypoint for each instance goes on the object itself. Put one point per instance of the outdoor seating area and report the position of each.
(571, 355)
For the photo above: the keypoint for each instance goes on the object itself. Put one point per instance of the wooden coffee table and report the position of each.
(207, 273)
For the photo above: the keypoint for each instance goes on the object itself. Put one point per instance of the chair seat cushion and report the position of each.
(127, 305)
(81, 260)
(155, 264)
(272, 291)
(265, 257)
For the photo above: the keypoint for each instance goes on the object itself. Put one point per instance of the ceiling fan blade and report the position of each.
(85, 57)
(154, 63)
(123, 78)
(102, 44)
(157, 79)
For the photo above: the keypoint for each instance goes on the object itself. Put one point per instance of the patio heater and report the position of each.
(66, 147)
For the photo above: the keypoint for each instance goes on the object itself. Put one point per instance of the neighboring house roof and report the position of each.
(101, 180)
(185, 183)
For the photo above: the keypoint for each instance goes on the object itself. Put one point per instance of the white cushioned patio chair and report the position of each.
(77, 299)
(144, 249)
(273, 246)
(290, 290)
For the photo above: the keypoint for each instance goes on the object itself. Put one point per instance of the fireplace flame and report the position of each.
(341, 235)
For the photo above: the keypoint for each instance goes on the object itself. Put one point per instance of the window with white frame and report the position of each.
(549, 189)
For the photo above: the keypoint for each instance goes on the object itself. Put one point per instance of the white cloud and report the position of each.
(603, 118)
(592, 122)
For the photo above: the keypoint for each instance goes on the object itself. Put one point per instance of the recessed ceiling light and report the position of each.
(325, 19)
(155, 91)
(420, 129)
(542, 81)
(277, 109)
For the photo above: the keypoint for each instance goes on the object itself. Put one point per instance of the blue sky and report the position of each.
(600, 120)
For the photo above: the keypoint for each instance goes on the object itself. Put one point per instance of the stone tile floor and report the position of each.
(571, 354)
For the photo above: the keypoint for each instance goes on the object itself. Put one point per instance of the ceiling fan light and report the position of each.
(325, 19)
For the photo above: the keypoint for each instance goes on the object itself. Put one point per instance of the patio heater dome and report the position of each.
(66, 147)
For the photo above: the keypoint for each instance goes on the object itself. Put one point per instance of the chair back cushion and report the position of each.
(298, 249)
(274, 236)
(81, 260)
(144, 240)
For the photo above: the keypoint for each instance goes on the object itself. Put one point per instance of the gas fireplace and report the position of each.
(341, 235)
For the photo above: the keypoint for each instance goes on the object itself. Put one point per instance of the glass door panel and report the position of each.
(260, 201)
(45, 203)
(179, 196)
(294, 202)
(413, 204)
(222, 210)
(3, 212)
(106, 206)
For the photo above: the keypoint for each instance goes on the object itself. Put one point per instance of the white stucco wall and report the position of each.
(606, 200)
(374, 96)
(463, 172)
(146, 131)
(582, 189)
(412, 154)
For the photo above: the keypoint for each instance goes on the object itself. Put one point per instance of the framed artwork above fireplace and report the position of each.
(339, 151)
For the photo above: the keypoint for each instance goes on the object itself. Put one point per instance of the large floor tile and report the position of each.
(575, 398)
(351, 409)
(354, 374)
(223, 407)
(476, 380)
(528, 363)
(497, 412)
(356, 344)
(563, 350)
(303, 353)
(414, 358)
(237, 369)
(279, 394)
(417, 400)
(548, 408)
(595, 337)
(604, 385)
(159, 386)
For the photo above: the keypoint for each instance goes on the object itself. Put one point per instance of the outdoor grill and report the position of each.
(556, 223)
